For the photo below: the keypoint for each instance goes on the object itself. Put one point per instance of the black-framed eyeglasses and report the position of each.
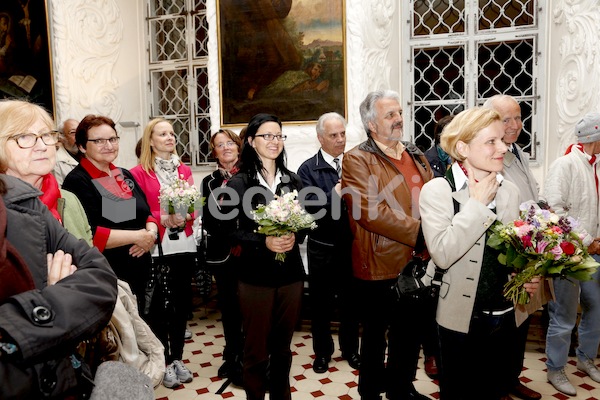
(270, 137)
(28, 140)
(102, 142)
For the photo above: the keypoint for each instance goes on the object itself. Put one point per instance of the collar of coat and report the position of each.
(370, 146)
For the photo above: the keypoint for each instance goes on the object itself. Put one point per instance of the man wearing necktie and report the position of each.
(330, 277)
(516, 170)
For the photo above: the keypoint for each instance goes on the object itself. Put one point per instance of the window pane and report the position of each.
(201, 29)
(169, 43)
(202, 89)
(165, 7)
(426, 117)
(199, 5)
(170, 92)
(496, 14)
(435, 17)
(439, 73)
(506, 67)
(204, 133)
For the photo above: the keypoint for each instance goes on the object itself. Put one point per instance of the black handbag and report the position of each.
(409, 283)
(157, 295)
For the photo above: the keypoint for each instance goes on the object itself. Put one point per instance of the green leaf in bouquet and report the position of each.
(502, 259)
(519, 261)
(495, 241)
(555, 269)
(581, 275)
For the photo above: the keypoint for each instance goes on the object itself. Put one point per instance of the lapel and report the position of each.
(503, 212)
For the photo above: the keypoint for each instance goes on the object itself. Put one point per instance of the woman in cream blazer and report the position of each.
(475, 320)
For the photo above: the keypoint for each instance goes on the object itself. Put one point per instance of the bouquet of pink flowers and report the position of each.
(180, 197)
(541, 243)
(281, 216)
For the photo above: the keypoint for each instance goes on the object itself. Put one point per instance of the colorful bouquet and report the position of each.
(540, 243)
(281, 216)
(180, 197)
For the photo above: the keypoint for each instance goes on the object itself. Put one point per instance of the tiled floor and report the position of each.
(202, 356)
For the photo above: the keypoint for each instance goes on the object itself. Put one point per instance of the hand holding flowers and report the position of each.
(279, 219)
(180, 197)
(540, 243)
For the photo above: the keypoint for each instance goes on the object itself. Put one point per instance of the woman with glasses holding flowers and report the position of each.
(161, 167)
(269, 290)
(474, 317)
(122, 225)
(226, 147)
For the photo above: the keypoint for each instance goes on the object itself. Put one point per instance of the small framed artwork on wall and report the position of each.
(25, 68)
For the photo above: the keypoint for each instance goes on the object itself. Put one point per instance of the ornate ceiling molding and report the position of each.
(86, 35)
(577, 79)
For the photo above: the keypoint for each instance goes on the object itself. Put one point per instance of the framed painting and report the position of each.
(284, 57)
(25, 71)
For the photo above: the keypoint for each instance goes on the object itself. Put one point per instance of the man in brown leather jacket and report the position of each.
(381, 181)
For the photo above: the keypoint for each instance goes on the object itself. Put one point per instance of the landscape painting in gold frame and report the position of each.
(282, 57)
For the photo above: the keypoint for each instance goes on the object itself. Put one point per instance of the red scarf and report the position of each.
(465, 171)
(51, 194)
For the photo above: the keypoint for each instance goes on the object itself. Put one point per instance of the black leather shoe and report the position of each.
(353, 360)
(320, 365)
(523, 392)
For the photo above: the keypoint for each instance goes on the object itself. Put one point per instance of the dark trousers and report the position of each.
(269, 317)
(331, 287)
(229, 304)
(518, 351)
(490, 338)
(169, 325)
(402, 322)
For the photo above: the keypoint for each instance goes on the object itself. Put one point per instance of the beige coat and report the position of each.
(456, 243)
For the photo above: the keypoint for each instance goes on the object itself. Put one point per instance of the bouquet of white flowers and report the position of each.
(180, 197)
(281, 216)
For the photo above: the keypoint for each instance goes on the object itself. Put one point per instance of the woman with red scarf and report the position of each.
(29, 153)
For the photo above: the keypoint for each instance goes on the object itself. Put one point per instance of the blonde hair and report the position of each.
(464, 127)
(16, 116)
(147, 155)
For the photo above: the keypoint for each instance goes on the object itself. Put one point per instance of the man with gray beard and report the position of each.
(382, 178)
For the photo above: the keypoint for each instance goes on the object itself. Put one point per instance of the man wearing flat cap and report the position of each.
(571, 188)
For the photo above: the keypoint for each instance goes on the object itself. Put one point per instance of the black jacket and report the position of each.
(75, 308)
(257, 263)
(332, 228)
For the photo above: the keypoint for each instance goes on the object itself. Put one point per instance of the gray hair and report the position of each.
(326, 117)
(367, 107)
(495, 99)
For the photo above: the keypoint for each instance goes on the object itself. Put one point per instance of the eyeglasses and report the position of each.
(269, 137)
(102, 142)
(225, 144)
(28, 140)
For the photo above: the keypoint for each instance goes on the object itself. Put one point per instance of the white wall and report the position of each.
(99, 67)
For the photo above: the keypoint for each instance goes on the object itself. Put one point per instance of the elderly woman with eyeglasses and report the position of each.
(226, 147)
(29, 153)
(55, 290)
(122, 225)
